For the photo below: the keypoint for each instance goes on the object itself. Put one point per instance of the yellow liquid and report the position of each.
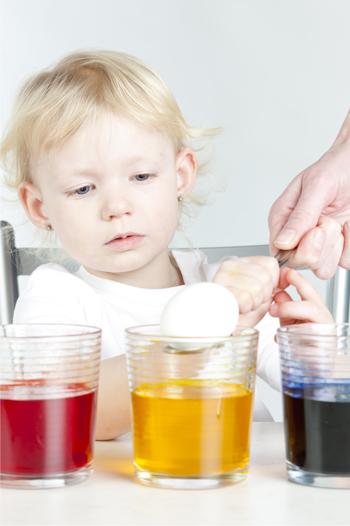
(191, 428)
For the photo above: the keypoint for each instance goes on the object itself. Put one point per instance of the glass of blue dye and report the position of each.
(315, 365)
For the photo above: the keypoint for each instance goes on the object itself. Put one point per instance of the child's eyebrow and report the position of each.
(134, 159)
(131, 160)
(82, 172)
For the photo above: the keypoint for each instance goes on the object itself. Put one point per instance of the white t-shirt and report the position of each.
(55, 295)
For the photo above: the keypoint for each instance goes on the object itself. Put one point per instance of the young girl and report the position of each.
(102, 156)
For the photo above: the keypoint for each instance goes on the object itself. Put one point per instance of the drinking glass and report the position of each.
(48, 385)
(315, 363)
(192, 406)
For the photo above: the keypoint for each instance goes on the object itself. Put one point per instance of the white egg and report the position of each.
(200, 310)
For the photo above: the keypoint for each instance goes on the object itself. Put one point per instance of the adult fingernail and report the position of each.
(286, 237)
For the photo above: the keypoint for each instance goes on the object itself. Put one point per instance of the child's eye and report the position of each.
(143, 177)
(83, 190)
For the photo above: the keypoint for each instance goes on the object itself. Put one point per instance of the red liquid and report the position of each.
(46, 435)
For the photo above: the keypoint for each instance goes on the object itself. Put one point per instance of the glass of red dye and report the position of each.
(48, 388)
(315, 363)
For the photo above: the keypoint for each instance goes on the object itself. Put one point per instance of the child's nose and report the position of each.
(116, 206)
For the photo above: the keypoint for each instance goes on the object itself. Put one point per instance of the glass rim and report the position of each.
(81, 331)
(288, 330)
(135, 331)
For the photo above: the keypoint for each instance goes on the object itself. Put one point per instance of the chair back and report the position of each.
(15, 262)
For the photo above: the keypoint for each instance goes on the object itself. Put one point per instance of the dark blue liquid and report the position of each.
(317, 427)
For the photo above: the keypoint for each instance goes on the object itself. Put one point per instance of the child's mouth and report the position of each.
(126, 241)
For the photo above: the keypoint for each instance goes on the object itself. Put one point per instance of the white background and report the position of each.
(274, 74)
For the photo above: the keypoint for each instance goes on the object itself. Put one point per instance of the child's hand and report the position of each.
(252, 280)
(309, 309)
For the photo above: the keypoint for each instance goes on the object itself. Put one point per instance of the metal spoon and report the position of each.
(283, 256)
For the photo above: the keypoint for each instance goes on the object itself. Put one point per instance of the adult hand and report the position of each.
(313, 213)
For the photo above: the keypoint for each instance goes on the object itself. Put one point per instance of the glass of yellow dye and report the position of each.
(192, 407)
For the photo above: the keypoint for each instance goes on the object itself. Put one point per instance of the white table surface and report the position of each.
(111, 497)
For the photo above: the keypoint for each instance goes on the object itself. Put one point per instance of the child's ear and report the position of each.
(32, 202)
(186, 171)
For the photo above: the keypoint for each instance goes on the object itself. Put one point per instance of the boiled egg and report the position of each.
(200, 310)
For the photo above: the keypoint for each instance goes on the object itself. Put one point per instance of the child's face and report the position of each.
(111, 178)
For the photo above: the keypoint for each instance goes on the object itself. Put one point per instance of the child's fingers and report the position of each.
(282, 297)
(250, 319)
(301, 311)
(236, 273)
(310, 309)
(303, 287)
(248, 294)
(251, 282)
(283, 282)
(270, 265)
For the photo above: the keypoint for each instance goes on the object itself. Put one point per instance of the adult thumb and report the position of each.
(302, 218)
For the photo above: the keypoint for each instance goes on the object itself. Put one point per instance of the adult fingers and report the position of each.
(345, 258)
(281, 210)
(305, 214)
(332, 247)
(329, 263)
(309, 250)
(320, 249)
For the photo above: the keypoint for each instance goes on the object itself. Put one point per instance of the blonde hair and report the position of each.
(52, 105)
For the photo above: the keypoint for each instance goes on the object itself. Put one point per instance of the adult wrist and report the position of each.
(344, 132)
